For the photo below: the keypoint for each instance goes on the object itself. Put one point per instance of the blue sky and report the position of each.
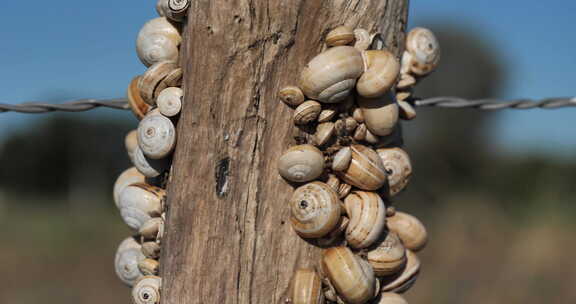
(59, 49)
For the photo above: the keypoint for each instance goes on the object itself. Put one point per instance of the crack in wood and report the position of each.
(222, 173)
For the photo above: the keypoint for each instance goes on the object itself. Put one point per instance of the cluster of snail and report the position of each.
(156, 100)
(353, 167)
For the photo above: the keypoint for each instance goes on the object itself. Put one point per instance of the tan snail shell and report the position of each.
(139, 203)
(291, 95)
(147, 290)
(407, 111)
(324, 132)
(358, 115)
(390, 298)
(170, 101)
(158, 40)
(152, 78)
(343, 190)
(147, 166)
(307, 112)
(342, 159)
(382, 69)
(137, 104)
(424, 49)
(156, 136)
(366, 170)
(149, 267)
(301, 163)
(128, 177)
(333, 182)
(341, 35)
(398, 167)
(352, 277)
(315, 210)
(350, 124)
(367, 214)
(402, 281)
(380, 114)
(363, 39)
(335, 235)
(327, 114)
(388, 256)
(151, 250)
(151, 228)
(330, 76)
(306, 287)
(128, 255)
(371, 138)
(406, 81)
(173, 9)
(409, 229)
(360, 132)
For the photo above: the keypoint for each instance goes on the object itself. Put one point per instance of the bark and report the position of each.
(228, 236)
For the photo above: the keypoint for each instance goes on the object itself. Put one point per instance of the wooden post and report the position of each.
(228, 236)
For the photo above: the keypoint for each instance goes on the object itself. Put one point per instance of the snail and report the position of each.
(128, 255)
(409, 229)
(307, 112)
(128, 177)
(382, 69)
(151, 250)
(371, 138)
(291, 95)
(152, 229)
(147, 290)
(390, 298)
(138, 106)
(333, 182)
(330, 76)
(342, 159)
(175, 10)
(358, 115)
(367, 214)
(150, 81)
(343, 190)
(301, 163)
(406, 81)
(148, 267)
(380, 114)
(422, 51)
(388, 256)
(131, 142)
(407, 111)
(335, 235)
(324, 132)
(351, 276)
(327, 114)
(350, 124)
(157, 41)
(149, 167)
(360, 132)
(306, 287)
(363, 39)
(341, 35)
(315, 210)
(156, 136)
(140, 202)
(398, 167)
(406, 278)
(170, 101)
(365, 171)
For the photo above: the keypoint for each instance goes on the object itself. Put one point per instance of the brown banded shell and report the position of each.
(398, 167)
(367, 214)
(360, 132)
(306, 287)
(402, 281)
(140, 202)
(307, 112)
(128, 255)
(152, 78)
(315, 210)
(147, 290)
(343, 190)
(422, 44)
(156, 136)
(380, 114)
(138, 106)
(382, 69)
(341, 35)
(291, 95)
(301, 163)
(409, 229)
(388, 256)
(128, 177)
(390, 298)
(342, 159)
(327, 114)
(331, 76)
(366, 170)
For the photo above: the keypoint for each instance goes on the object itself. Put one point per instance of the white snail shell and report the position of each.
(156, 136)
(151, 228)
(342, 35)
(390, 298)
(149, 267)
(147, 166)
(139, 203)
(291, 95)
(366, 170)
(301, 163)
(398, 167)
(307, 287)
(342, 159)
(382, 69)
(388, 257)
(422, 44)
(147, 290)
(158, 40)
(315, 210)
(367, 214)
(170, 101)
(380, 114)
(409, 229)
(128, 255)
(402, 281)
(128, 177)
(330, 76)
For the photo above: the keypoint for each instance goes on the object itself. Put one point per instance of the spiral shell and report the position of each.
(315, 210)
(324, 132)
(380, 114)
(330, 76)
(173, 9)
(147, 166)
(301, 163)
(343, 190)
(149, 267)
(366, 170)
(422, 44)
(342, 159)
(402, 281)
(367, 214)
(156, 136)
(333, 182)
(128, 255)
(306, 287)
(382, 69)
(152, 78)
(390, 298)
(335, 235)
(137, 104)
(128, 177)
(388, 257)
(291, 95)
(147, 290)
(139, 203)
(409, 229)
(158, 40)
(341, 35)
(398, 167)
(170, 101)
(307, 112)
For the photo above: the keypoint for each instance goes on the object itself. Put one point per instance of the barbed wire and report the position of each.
(441, 102)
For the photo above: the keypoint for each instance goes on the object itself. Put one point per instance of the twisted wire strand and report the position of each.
(440, 102)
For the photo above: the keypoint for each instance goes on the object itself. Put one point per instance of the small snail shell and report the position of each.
(405, 279)
(156, 136)
(360, 132)
(341, 35)
(371, 138)
(343, 190)
(291, 95)
(407, 111)
(170, 101)
(366, 170)
(324, 133)
(147, 290)
(139, 203)
(173, 79)
(398, 167)
(409, 229)
(152, 78)
(307, 112)
(158, 40)
(128, 255)
(350, 124)
(363, 39)
(138, 106)
(358, 115)
(425, 50)
(390, 298)
(307, 287)
(333, 182)
(151, 228)
(147, 166)
(151, 250)
(342, 159)
(388, 257)
(128, 177)
(330, 76)
(148, 267)
(382, 69)
(402, 96)
(173, 9)
(380, 114)
(315, 210)
(131, 142)
(367, 214)
(301, 163)
(327, 114)
(406, 81)
(351, 276)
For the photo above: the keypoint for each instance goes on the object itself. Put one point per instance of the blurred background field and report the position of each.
(496, 190)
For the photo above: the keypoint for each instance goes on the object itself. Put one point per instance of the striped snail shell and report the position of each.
(173, 9)
(324, 133)
(301, 163)
(388, 256)
(307, 112)
(147, 166)
(139, 203)
(405, 279)
(423, 51)
(342, 35)
(367, 214)
(315, 210)
(382, 69)
(380, 114)
(409, 229)
(158, 40)
(170, 101)
(152, 78)
(342, 159)
(128, 255)
(137, 104)
(291, 95)
(147, 290)
(398, 167)
(306, 287)
(365, 171)
(128, 177)
(156, 136)
(390, 298)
